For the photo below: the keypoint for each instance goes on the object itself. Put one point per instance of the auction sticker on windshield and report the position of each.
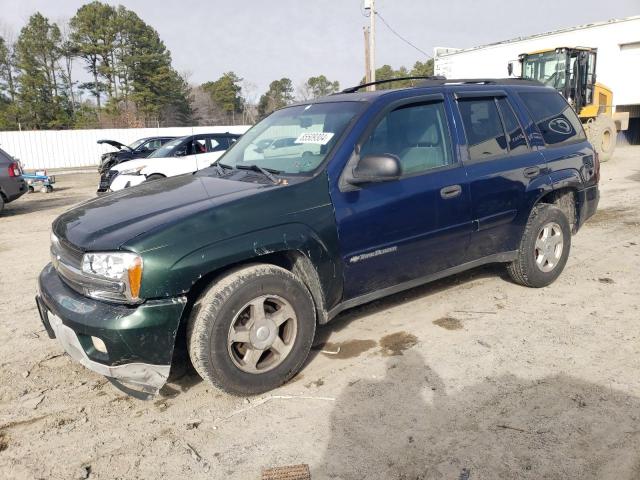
(318, 138)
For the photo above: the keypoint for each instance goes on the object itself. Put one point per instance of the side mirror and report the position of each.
(510, 68)
(376, 168)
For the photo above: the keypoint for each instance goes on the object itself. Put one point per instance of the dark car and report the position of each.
(139, 149)
(12, 185)
(388, 190)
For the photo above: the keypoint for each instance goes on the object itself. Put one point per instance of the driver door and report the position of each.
(401, 230)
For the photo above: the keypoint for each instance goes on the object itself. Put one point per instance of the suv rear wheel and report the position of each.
(252, 329)
(544, 248)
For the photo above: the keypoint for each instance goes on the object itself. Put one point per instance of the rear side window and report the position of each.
(485, 135)
(515, 135)
(417, 134)
(556, 120)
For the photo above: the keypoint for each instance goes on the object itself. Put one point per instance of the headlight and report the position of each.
(122, 272)
(133, 171)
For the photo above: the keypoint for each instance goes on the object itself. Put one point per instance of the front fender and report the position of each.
(180, 277)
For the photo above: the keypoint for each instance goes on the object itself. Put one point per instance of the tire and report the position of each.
(1, 203)
(216, 322)
(31, 189)
(154, 176)
(602, 134)
(535, 267)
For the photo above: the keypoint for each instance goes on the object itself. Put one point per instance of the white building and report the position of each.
(618, 63)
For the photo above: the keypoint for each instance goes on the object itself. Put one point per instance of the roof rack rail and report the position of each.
(480, 81)
(389, 80)
(439, 80)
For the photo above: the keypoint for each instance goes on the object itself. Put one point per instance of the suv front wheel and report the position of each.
(252, 329)
(544, 247)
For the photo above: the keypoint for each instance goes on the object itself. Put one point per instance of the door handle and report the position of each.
(531, 172)
(452, 191)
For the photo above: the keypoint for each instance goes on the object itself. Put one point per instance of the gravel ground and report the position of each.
(471, 377)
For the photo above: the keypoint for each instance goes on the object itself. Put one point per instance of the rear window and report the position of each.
(556, 120)
(485, 135)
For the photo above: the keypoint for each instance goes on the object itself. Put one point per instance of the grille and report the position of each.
(67, 259)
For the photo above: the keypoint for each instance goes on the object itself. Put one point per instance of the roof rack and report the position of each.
(439, 80)
(480, 81)
(389, 80)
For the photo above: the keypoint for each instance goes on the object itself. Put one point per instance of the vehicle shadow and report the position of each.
(344, 319)
(407, 425)
(184, 376)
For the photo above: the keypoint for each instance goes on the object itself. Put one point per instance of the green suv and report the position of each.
(371, 193)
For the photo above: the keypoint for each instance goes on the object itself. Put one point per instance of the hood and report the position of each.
(106, 222)
(114, 143)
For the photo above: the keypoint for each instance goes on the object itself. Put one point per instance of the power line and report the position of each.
(401, 37)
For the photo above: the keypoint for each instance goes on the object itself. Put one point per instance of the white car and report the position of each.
(182, 155)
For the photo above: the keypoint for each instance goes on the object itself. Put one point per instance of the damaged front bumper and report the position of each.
(125, 181)
(131, 345)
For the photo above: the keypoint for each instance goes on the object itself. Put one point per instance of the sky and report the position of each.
(263, 40)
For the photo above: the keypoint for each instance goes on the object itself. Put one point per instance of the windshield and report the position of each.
(173, 148)
(293, 140)
(137, 143)
(548, 68)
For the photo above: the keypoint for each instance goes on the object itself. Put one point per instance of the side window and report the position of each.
(417, 134)
(200, 145)
(483, 127)
(218, 144)
(515, 135)
(556, 120)
(152, 145)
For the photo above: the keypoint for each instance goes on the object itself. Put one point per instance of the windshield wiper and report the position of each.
(267, 172)
(221, 167)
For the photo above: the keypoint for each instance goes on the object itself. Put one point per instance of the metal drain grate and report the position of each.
(290, 472)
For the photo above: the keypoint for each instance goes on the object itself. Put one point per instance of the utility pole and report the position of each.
(370, 5)
(367, 62)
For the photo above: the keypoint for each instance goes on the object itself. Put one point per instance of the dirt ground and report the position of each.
(472, 377)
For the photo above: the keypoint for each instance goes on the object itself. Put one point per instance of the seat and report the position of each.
(424, 148)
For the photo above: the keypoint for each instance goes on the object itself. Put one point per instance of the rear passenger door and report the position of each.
(502, 168)
(397, 231)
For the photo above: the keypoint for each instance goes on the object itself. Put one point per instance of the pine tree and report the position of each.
(37, 55)
(280, 94)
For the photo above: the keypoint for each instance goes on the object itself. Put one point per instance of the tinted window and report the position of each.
(556, 120)
(515, 135)
(483, 127)
(416, 134)
(218, 144)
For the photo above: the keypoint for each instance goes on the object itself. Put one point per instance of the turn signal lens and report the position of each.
(135, 277)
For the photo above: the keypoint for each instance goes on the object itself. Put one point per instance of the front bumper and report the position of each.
(125, 181)
(139, 340)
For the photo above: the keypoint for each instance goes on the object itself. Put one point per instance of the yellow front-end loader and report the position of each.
(572, 72)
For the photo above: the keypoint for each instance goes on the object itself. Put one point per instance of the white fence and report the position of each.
(40, 149)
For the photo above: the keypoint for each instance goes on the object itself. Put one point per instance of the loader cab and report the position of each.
(571, 71)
